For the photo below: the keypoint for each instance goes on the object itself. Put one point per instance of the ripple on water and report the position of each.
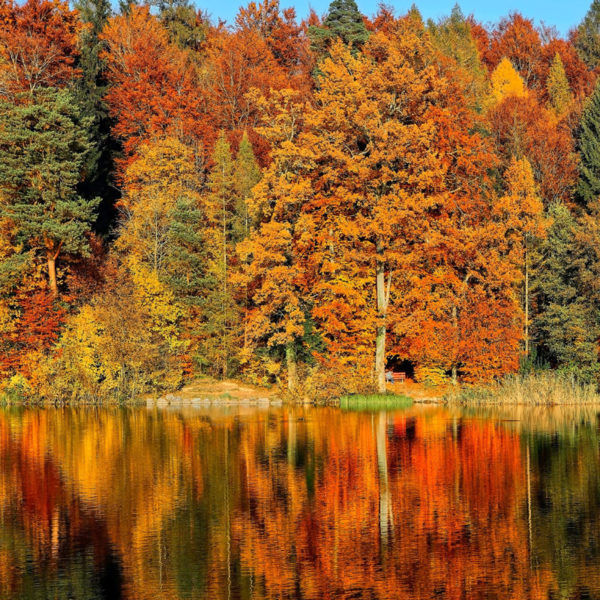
(278, 502)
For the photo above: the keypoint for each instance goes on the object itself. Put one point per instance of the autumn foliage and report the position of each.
(38, 45)
(291, 202)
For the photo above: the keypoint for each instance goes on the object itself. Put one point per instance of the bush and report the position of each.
(115, 349)
(431, 375)
(324, 383)
(15, 391)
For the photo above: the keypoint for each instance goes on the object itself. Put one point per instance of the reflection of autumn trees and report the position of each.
(451, 495)
(295, 503)
(41, 522)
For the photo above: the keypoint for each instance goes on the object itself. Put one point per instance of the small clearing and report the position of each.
(208, 390)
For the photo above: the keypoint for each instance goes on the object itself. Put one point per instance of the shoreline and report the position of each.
(230, 392)
(545, 390)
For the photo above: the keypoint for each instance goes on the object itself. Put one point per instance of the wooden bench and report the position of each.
(399, 377)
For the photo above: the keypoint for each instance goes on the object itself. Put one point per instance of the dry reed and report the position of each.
(547, 388)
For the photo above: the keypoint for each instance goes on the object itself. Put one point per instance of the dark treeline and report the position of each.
(294, 202)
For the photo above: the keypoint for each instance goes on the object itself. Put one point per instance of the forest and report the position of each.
(293, 202)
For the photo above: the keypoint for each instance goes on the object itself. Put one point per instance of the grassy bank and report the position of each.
(539, 389)
(374, 402)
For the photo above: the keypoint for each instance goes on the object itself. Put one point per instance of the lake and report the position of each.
(310, 503)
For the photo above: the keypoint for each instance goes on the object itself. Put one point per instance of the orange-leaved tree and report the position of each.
(388, 213)
(272, 271)
(237, 62)
(154, 90)
(286, 39)
(517, 39)
(522, 127)
(38, 45)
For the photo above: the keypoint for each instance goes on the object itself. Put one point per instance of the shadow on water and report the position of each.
(249, 503)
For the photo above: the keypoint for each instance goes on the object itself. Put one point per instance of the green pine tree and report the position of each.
(186, 264)
(557, 84)
(587, 36)
(43, 148)
(588, 186)
(566, 324)
(246, 175)
(343, 21)
(90, 89)
(186, 26)
(125, 6)
(187, 270)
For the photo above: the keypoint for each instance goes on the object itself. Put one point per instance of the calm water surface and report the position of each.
(299, 503)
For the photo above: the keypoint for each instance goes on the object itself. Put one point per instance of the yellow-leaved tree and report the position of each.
(521, 214)
(506, 82)
(164, 236)
(557, 84)
(142, 330)
(123, 343)
(162, 177)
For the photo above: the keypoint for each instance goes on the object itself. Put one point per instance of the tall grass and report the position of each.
(374, 402)
(543, 388)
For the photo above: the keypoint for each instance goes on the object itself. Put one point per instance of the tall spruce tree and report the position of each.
(90, 89)
(43, 148)
(186, 26)
(125, 6)
(187, 258)
(587, 36)
(246, 174)
(588, 186)
(566, 325)
(343, 21)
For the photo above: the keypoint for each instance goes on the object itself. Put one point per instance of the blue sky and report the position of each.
(564, 15)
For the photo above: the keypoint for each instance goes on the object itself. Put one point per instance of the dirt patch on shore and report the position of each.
(217, 391)
(419, 393)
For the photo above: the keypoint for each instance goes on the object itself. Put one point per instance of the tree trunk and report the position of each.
(526, 302)
(224, 299)
(290, 358)
(456, 342)
(52, 273)
(380, 359)
(382, 305)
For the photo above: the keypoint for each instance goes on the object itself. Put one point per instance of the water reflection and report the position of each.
(299, 503)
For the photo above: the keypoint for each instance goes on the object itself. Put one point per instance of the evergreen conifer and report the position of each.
(43, 148)
(588, 186)
(587, 36)
(343, 21)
